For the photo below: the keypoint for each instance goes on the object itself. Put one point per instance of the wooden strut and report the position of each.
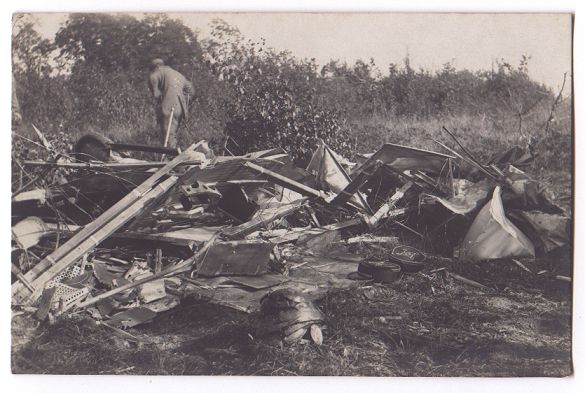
(469, 161)
(467, 281)
(477, 163)
(103, 165)
(355, 185)
(19, 292)
(95, 239)
(170, 151)
(385, 209)
(262, 220)
(18, 273)
(38, 177)
(347, 193)
(285, 181)
(44, 140)
(296, 186)
(405, 177)
(437, 187)
(54, 158)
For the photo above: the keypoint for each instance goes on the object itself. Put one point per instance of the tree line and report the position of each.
(91, 77)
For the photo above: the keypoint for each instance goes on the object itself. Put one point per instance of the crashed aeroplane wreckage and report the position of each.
(124, 239)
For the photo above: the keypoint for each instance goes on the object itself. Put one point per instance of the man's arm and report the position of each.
(153, 85)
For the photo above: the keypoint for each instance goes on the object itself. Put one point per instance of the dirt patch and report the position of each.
(502, 304)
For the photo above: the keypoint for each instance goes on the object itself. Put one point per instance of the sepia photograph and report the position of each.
(292, 194)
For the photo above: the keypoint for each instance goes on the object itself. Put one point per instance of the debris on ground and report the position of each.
(123, 240)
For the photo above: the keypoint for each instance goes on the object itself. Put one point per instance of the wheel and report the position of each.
(380, 271)
(92, 147)
(411, 259)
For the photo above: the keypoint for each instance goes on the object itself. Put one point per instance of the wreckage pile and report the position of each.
(125, 239)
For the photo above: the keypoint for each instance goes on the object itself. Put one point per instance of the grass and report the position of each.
(481, 135)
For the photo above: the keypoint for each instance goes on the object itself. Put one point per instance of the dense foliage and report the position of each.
(273, 97)
(92, 78)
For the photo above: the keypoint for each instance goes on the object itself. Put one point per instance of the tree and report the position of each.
(42, 97)
(274, 101)
(109, 57)
(124, 43)
(30, 52)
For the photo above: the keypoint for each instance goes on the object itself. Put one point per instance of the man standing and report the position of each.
(172, 91)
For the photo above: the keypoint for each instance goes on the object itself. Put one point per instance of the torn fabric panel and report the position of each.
(246, 257)
(551, 229)
(38, 195)
(493, 236)
(515, 155)
(468, 196)
(528, 194)
(329, 172)
(404, 158)
(29, 232)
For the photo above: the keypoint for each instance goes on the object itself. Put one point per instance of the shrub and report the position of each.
(262, 98)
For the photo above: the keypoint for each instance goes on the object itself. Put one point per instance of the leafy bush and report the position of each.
(273, 98)
(260, 97)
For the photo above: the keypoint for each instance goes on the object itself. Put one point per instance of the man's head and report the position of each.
(155, 63)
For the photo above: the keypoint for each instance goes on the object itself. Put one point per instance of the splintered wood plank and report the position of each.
(21, 293)
(97, 224)
(263, 219)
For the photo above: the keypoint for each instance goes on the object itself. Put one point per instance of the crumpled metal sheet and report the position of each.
(288, 312)
(492, 235)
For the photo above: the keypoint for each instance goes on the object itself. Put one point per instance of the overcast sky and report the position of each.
(471, 41)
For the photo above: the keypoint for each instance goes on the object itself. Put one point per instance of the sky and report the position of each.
(468, 41)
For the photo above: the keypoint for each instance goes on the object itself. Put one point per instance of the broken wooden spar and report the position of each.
(286, 182)
(348, 192)
(385, 210)
(264, 218)
(20, 292)
(89, 243)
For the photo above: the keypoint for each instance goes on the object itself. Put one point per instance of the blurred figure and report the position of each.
(16, 116)
(172, 92)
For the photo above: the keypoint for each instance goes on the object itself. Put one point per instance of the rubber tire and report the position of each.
(380, 271)
(409, 265)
